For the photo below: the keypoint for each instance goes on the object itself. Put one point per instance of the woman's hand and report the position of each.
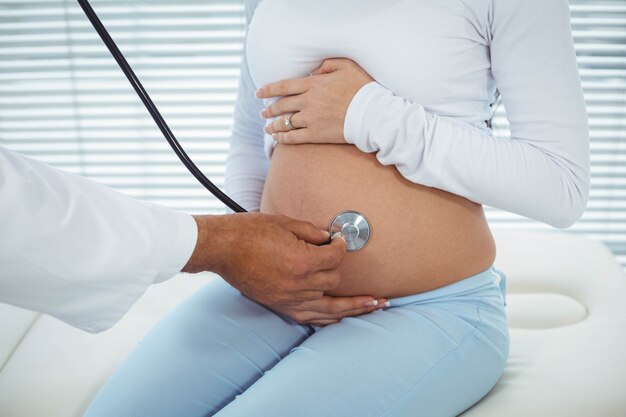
(319, 102)
(328, 310)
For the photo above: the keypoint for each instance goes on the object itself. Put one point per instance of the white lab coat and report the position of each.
(78, 250)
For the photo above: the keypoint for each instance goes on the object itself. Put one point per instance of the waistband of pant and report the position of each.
(487, 277)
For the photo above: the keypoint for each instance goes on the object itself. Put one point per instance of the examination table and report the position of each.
(566, 309)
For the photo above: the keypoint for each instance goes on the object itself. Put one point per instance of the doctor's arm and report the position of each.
(542, 170)
(78, 250)
(84, 253)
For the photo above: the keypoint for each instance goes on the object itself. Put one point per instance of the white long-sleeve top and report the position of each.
(78, 250)
(436, 66)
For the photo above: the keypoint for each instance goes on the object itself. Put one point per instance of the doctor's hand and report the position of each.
(318, 102)
(271, 259)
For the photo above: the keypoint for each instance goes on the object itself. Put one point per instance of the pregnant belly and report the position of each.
(421, 237)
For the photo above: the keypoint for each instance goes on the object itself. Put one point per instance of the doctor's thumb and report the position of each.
(308, 232)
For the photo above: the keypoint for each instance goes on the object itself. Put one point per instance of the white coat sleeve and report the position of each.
(247, 163)
(542, 170)
(78, 250)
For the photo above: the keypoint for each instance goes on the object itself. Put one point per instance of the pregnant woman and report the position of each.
(391, 122)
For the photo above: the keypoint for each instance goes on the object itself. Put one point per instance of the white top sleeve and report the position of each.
(78, 250)
(247, 163)
(542, 170)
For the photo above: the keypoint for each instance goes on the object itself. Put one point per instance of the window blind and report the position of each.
(64, 101)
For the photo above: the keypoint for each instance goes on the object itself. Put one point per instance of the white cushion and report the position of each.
(567, 316)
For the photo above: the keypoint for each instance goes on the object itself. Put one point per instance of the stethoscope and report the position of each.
(352, 225)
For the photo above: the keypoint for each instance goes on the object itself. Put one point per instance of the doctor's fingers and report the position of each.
(328, 256)
(321, 281)
(305, 230)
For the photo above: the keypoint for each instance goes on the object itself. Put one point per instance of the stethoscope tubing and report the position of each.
(154, 112)
(171, 139)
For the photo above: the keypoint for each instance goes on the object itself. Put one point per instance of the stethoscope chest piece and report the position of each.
(354, 228)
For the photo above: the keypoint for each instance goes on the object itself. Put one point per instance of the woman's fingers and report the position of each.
(294, 106)
(302, 135)
(278, 124)
(336, 308)
(329, 309)
(286, 87)
(353, 306)
(283, 106)
(361, 310)
(321, 322)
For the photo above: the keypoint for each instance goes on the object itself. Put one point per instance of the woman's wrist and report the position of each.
(356, 119)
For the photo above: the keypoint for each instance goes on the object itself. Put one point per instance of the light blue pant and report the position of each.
(219, 353)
